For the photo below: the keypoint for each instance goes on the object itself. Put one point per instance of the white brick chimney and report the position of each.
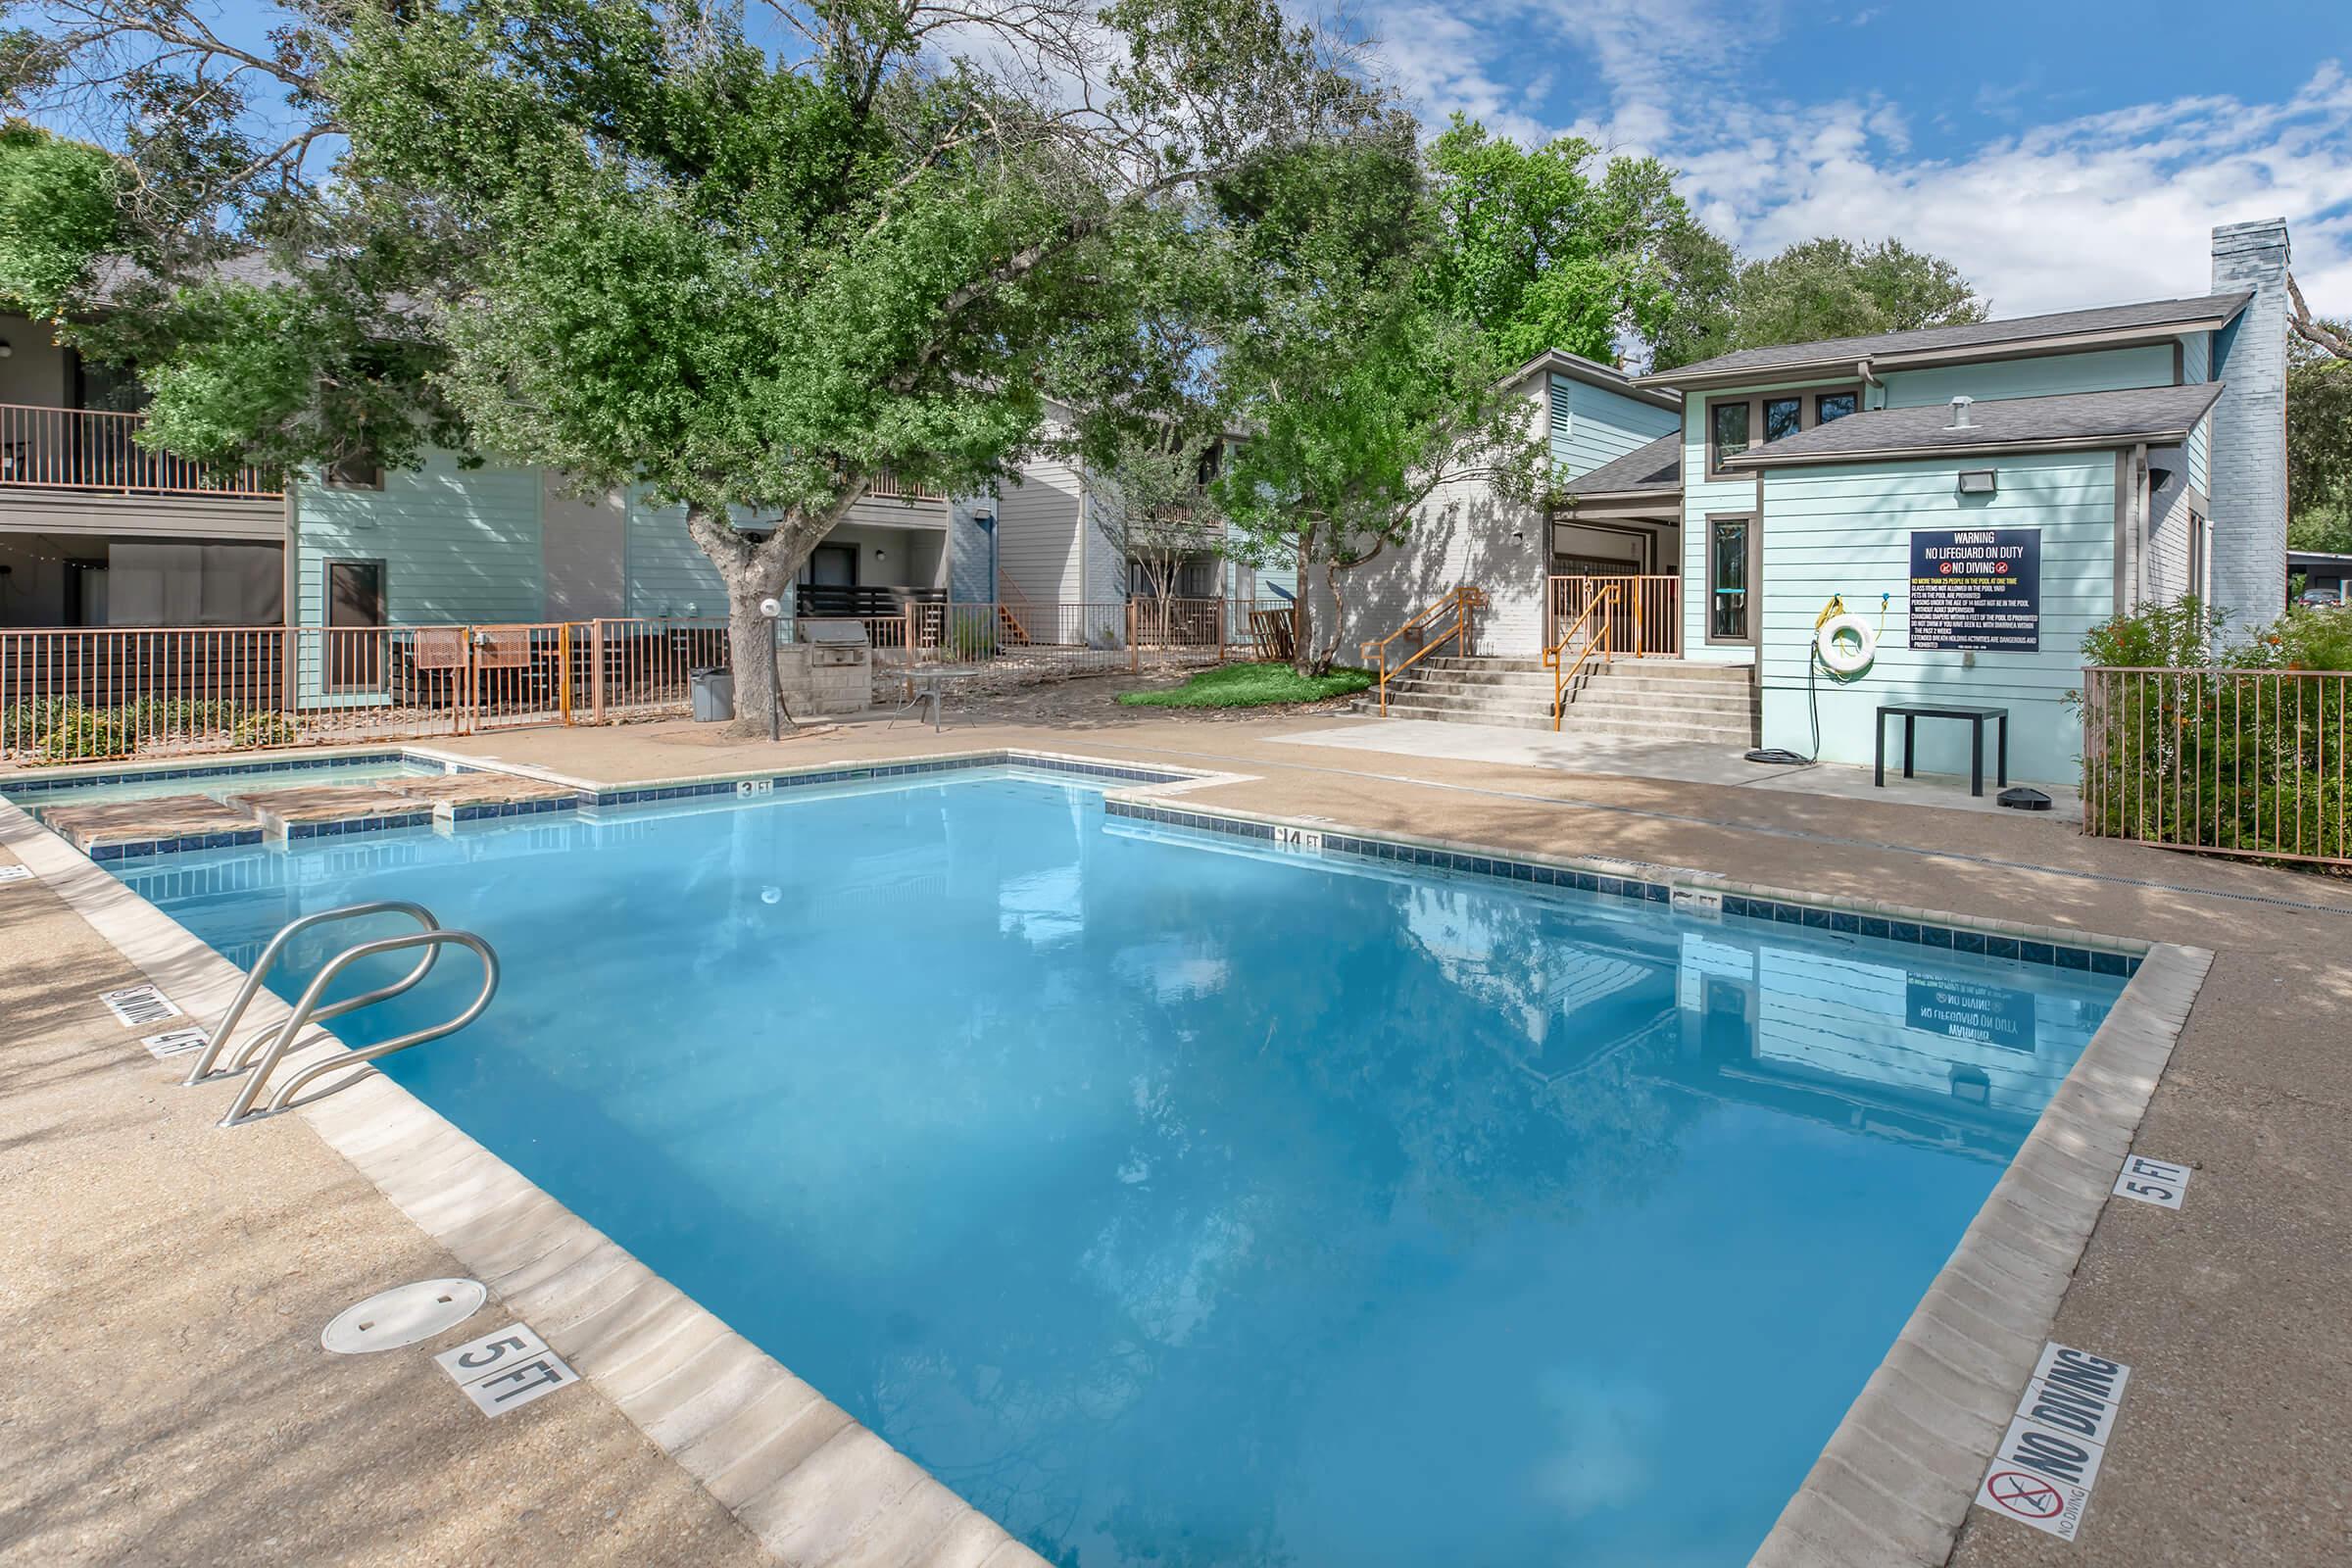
(2248, 465)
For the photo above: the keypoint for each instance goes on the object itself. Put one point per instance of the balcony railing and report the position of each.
(92, 449)
(829, 600)
(886, 486)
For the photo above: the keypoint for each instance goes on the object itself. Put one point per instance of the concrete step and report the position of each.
(1644, 729)
(1601, 703)
(1461, 676)
(1670, 668)
(1693, 697)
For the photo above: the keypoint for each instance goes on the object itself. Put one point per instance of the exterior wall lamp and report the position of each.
(1977, 483)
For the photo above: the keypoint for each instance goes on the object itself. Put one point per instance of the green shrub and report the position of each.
(2240, 748)
(85, 734)
(178, 717)
(2301, 639)
(27, 724)
(262, 730)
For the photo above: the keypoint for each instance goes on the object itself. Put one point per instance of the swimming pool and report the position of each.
(1176, 1201)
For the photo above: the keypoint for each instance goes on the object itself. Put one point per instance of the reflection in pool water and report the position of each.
(1183, 1204)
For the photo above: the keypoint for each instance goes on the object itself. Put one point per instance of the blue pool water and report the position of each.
(1184, 1204)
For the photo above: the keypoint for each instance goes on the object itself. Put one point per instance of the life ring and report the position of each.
(1846, 645)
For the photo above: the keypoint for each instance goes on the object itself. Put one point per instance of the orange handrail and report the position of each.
(1464, 602)
(1596, 640)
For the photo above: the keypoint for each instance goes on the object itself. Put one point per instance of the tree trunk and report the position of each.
(1320, 659)
(1302, 618)
(752, 573)
(752, 649)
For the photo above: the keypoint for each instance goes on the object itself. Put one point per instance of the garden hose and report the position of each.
(1833, 612)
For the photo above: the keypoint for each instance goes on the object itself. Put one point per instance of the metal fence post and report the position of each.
(596, 669)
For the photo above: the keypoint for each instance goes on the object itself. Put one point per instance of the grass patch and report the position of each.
(1252, 686)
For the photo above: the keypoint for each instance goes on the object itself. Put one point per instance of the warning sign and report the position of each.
(1977, 589)
(2050, 1458)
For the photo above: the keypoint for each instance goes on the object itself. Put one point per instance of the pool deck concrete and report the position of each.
(152, 1263)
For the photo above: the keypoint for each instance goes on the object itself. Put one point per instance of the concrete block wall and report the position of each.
(2249, 425)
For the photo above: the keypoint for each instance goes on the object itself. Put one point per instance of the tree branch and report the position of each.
(2309, 328)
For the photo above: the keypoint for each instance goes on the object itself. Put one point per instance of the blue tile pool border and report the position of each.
(133, 848)
(1616, 884)
(866, 772)
(285, 764)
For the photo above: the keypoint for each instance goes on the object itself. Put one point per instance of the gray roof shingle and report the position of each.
(2155, 413)
(2150, 316)
(1655, 466)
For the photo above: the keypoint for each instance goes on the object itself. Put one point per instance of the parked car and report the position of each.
(2321, 599)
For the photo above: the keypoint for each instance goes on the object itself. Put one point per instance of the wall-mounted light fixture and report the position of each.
(6, 348)
(1977, 483)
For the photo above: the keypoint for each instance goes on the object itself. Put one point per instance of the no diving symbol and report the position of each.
(2026, 1497)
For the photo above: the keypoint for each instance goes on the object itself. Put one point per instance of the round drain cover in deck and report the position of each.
(404, 1315)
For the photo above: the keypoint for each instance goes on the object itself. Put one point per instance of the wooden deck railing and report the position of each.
(1649, 609)
(92, 449)
(887, 486)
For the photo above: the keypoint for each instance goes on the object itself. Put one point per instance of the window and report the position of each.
(1735, 424)
(1727, 432)
(1730, 579)
(2196, 554)
(354, 473)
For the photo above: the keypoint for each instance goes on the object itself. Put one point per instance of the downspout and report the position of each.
(1870, 379)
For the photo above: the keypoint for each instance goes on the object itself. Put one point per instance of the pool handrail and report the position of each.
(308, 1011)
(218, 1042)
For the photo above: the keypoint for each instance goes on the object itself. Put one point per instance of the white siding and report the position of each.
(1040, 548)
(1464, 533)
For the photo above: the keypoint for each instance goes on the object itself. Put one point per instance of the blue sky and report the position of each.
(2065, 153)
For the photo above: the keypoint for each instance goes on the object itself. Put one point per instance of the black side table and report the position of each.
(1975, 717)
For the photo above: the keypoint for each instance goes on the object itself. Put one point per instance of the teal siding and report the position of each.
(1701, 496)
(1592, 426)
(669, 573)
(2196, 369)
(2053, 375)
(458, 547)
(1847, 532)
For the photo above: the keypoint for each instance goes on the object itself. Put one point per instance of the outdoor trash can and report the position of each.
(714, 694)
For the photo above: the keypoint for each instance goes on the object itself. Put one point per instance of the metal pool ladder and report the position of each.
(263, 1052)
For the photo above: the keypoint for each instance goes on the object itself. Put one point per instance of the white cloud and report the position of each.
(2108, 207)
(2057, 214)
